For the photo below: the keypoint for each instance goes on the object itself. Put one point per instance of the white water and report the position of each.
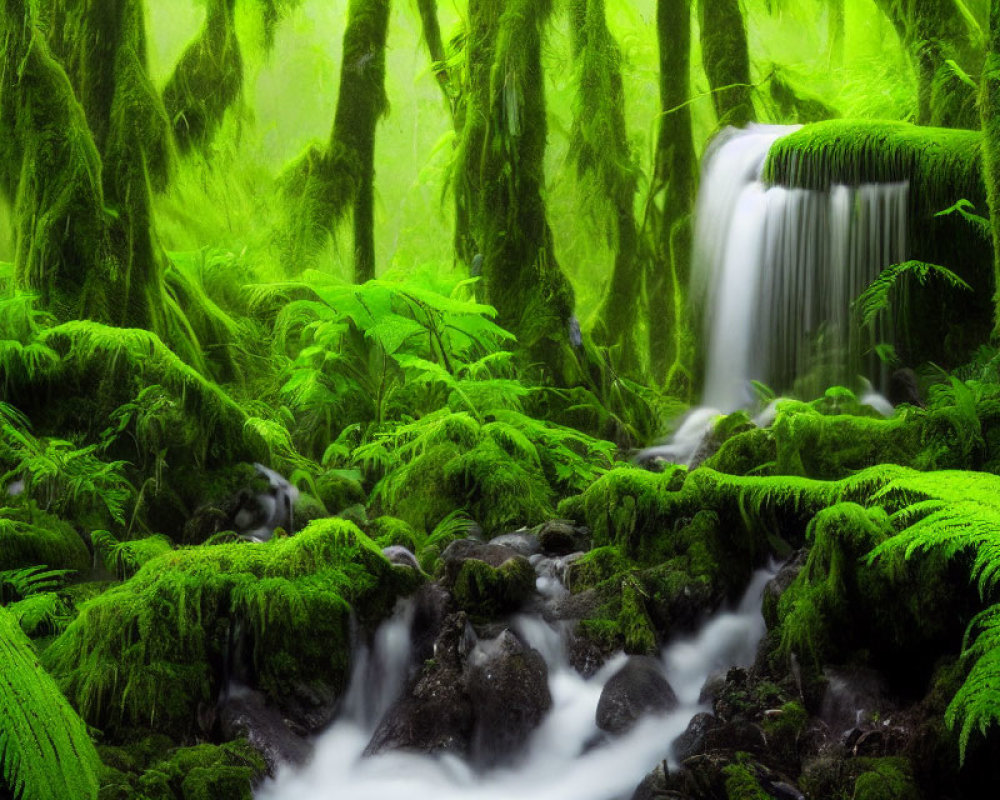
(557, 764)
(775, 271)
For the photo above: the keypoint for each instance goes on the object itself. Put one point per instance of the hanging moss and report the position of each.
(726, 57)
(989, 104)
(207, 81)
(146, 654)
(30, 538)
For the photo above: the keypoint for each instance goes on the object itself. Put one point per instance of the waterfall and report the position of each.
(560, 760)
(776, 270)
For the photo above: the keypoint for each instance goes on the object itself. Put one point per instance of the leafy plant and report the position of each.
(875, 299)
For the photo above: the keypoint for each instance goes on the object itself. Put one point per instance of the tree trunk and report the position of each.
(600, 148)
(501, 177)
(726, 57)
(935, 32)
(669, 213)
(207, 80)
(989, 103)
(360, 105)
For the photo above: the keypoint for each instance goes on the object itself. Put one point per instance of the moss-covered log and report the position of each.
(672, 202)
(208, 79)
(501, 175)
(726, 57)
(602, 153)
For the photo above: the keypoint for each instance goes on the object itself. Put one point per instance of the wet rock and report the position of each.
(904, 388)
(524, 543)
(247, 715)
(656, 786)
(487, 580)
(432, 606)
(401, 557)
(694, 740)
(508, 683)
(712, 689)
(435, 715)
(560, 537)
(637, 689)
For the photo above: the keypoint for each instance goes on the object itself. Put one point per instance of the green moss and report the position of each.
(942, 165)
(389, 531)
(742, 784)
(142, 654)
(886, 779)
(597, 566)
(29, 539)
(726, 57)
(488, 592)
(784, 729)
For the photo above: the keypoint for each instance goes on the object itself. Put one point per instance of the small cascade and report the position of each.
(776, 270)
(565, 758)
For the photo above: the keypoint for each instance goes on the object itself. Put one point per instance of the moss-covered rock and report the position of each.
(149, 652)
(31, 538)
(487, 580)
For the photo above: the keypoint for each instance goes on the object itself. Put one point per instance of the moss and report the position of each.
(595, 567)
(942, 165)
(146, 653)
(742, 784)
(389, 531)
(886, 779)
(207, 80)
(784, 729)
(487, 592)
(154, 769)
(30, 539)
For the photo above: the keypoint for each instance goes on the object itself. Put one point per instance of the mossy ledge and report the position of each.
(941, 164)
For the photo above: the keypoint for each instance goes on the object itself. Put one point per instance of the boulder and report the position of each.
(637, 689)
(560, 537)
(487, 580)
(508, 683)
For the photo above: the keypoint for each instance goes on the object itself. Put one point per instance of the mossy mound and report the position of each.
(147, 653)
(31, 538)
(152, 769)
(488, 592)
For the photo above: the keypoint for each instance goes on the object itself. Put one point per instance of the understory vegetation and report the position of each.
(195, 293)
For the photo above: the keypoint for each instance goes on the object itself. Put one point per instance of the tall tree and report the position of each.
(989, 103)
(726, 58)
(326, 184)
(942, 40)
(86, 139)
(501, 175)
(603, 158)
(668, 216)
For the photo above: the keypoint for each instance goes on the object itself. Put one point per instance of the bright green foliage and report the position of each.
(941, 165)
(875, 299)
(29, 537)
(45, 752)
(140, 654)
(886, 779)
(989, 103)
(126, 558)
(741, 784)
(152, 769)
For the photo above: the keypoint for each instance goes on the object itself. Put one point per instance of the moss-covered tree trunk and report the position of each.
(501, 176)
(672, 202)
(90, 140)
(208, 79)
(726, 58)
(989, 103)
(603, 157)
(938, 37)
(361, 103)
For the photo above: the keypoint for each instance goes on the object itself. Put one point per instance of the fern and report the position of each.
(875, 299)
(45, 751)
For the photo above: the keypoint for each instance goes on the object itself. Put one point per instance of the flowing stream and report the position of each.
(560, 760)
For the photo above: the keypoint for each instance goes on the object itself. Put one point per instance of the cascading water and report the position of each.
(562, 760)
(775, 273)
(777, 269)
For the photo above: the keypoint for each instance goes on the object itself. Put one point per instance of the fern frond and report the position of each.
(45, 751)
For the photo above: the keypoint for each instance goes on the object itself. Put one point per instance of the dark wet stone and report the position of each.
(777, 586)
(561, 537)
(401, 557)
(508, 684)
(247, 715)
(523, 542)
(637, 689)
(693, 741)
